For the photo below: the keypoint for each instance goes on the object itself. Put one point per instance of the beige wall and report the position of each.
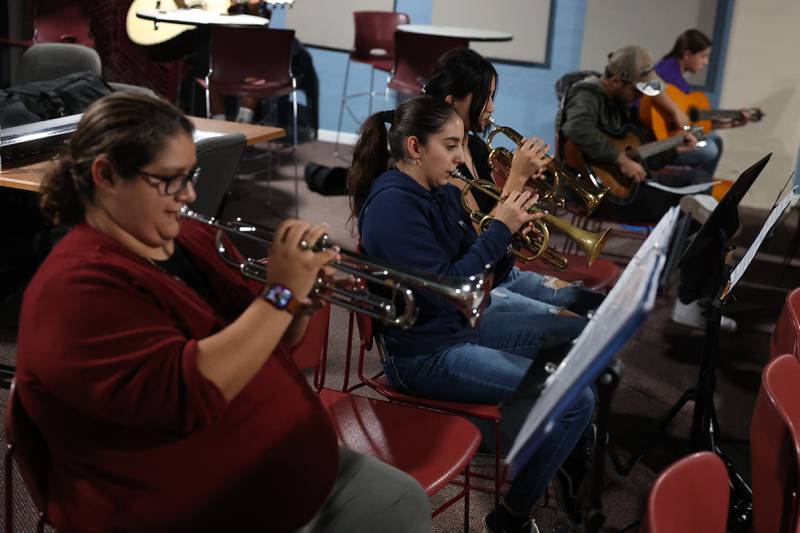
(762, 69)
(654, 24)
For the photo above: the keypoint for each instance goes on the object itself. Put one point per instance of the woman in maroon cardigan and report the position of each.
(159, 378)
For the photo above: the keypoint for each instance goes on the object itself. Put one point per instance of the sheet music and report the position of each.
(689, 189)
(774, 215)
(625, 307)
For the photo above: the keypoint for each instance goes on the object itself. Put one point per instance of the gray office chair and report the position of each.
(218, 157)
(46, 61)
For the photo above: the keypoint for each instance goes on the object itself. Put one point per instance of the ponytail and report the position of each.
(377, 150)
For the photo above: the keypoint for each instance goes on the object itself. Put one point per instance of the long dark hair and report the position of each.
(461, 72)
(376, 149)
(129, 128)
(693, 41)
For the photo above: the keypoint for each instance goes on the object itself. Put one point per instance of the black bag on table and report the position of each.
(66, 95)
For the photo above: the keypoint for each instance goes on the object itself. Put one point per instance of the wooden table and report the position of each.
(27, 174)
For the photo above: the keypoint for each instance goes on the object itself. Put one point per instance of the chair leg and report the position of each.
(466, 499)
(294, 149)
(498, 474)
(341, 107)
(8, 470)
(371, 89)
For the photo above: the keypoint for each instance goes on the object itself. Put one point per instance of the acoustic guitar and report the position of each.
(696, 106)
(631, 141)
(149, 33)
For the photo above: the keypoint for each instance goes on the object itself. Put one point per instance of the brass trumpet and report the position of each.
(537, 244)
(552, 192)
(353, 292)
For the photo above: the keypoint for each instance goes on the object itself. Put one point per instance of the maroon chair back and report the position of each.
(775, 447)
(375, 31)
(416, 56)
(57, 21)
(251, 61)
(691, 495)
(27, 447)
(307, 354)
(787, 330)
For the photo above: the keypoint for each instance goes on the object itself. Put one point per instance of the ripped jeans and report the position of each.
(489, 371)
(528, 292)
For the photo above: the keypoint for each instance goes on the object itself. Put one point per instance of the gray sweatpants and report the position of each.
(371, 496)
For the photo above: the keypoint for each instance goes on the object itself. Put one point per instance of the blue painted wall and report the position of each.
(525, 98)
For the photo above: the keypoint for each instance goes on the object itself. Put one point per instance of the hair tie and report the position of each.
(388, 116)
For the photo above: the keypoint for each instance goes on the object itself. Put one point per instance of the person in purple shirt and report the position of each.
(690, 53)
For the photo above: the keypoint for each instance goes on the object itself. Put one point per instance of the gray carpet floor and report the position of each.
(660, 362)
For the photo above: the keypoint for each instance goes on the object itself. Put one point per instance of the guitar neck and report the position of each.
(719, 114)
(648, 150)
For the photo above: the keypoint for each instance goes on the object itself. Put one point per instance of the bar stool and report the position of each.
(374, 46)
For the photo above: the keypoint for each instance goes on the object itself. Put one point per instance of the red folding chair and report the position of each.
(373, 46)
(787, 329)
(690, 495)
(416, 56)
(775, 448)
(381, 385)
(26, 447)
(381, 429)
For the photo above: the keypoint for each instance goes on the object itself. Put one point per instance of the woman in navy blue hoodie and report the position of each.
(408, 213)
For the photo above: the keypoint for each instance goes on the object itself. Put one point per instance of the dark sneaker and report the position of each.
(490, 524)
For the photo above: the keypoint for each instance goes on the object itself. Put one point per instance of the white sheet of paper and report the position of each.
(689, 189)
(772, 219)
(635, 291)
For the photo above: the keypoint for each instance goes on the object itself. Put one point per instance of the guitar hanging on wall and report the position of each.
(149, 33)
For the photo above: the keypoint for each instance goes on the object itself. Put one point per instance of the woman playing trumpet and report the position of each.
(408, 212)
(159, 378)
(467, 81)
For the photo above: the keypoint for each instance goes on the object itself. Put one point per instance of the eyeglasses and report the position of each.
(170, 185)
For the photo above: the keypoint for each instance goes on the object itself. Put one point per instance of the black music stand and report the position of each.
(538, 404)
(712, 244)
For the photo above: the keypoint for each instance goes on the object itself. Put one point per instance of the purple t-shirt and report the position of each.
(670, 71)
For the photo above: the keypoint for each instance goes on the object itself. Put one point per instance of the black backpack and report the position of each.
(66, 95)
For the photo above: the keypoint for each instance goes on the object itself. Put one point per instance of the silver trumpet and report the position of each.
(368, 287)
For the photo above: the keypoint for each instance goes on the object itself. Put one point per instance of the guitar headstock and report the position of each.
(754, 114)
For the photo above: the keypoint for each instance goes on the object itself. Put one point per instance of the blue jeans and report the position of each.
(529, 292)
(706, 158)
(489, 372)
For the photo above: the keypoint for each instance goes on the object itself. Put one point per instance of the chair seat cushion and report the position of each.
(384, 63)
(600, 276)
(431, 447)
(480, 410)
(253, 87)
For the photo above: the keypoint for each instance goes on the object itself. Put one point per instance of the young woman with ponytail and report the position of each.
(468, 82)
(408, 212)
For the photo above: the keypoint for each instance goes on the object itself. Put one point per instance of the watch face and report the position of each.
(279, 295)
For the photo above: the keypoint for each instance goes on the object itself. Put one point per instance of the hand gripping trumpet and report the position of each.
(536, 244)
(364, 278)
(551, 189)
